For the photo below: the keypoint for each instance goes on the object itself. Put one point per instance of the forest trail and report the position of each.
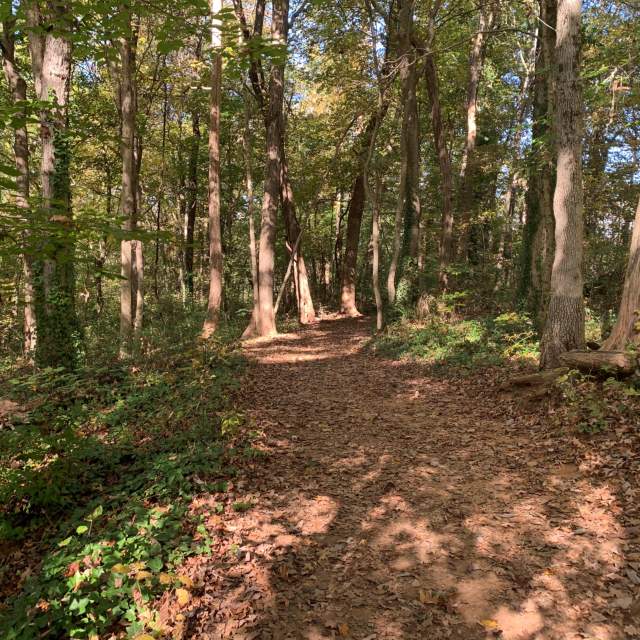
(392, 505)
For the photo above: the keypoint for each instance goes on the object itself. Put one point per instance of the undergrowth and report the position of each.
(462, 344)
(97, 472)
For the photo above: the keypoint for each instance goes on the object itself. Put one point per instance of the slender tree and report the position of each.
(445, 254)
(126, 91)
(488, 12)
(215, 234)
(18, 89)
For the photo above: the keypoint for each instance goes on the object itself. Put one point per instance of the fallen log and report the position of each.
(617, 363)
(535, 379)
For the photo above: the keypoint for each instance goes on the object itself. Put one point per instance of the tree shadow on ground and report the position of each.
(394, 505)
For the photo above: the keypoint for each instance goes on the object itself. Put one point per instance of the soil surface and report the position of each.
(387, 504)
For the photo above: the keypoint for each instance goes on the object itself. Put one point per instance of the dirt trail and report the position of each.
(392, 505)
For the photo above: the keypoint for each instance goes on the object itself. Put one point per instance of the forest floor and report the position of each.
(388, 503)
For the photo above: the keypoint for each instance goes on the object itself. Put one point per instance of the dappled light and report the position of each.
(379, 518)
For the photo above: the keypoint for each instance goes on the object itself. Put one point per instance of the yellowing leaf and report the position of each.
(489, 624)
(144, 575)
(144, 636)
(138, 566)
(186, 581)
(183, 597)
(120, 568)
(165, 578)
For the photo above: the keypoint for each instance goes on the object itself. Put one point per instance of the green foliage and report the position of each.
(102, 464)
(593, 405)
(460, 344)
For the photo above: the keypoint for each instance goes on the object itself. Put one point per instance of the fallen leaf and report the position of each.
(343, 629)
(183, 597)
(489, 624)
(119, 568)
(143, 575)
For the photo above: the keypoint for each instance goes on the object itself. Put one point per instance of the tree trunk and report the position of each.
(18, 89)
(375, 245)
(538, 234)
(627, 328)
(128, 202)
(54, 274)
(564, 330)
(506, 231)
(215, 236)
(467, 174)
(306, 312)
(253, 255)
(408, 208)
(410, 130)
(397, 225)
(266, 322)
(192, 202)
(355, 212)
(138, 316)
(444, 160)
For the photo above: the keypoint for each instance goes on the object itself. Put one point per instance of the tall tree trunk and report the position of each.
(266, 322)
(128, 202)
(165, 114)
(375, 246)
(467, 173)
(627, 328)
(397, 225)
(538, 233)
(306, 312)
(564, 328)
(408, 208)
(18, 89)
(253, 255)
(410, 131)
(54, 275)
(444, 160)
(505, 248)
(192, 201)
(215, 235)
(357, 203)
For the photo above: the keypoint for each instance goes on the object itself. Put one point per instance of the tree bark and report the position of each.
(627, 328)
(609, 362)
(18, 89)
(467, 174)
(375, 245)
(54, 274)
(410, 129)
(192, 201)
(356, 206)
(408, 208)
(564, 330)
(538, 233)
(128, 203)
(215, 236)
(266, 322)
(253, 255)
(306, 312)
(445, 254)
